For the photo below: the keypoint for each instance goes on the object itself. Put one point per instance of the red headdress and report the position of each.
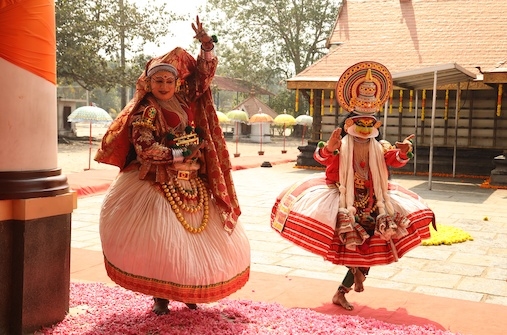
(115, 144)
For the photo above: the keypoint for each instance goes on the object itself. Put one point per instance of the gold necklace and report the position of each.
(178, 205)
(361, 203)
(192, 194)
(182, 204)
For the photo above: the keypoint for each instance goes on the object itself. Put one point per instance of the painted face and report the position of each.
(163, 85)
(364, 126)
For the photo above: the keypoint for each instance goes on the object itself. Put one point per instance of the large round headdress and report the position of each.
(364, 87)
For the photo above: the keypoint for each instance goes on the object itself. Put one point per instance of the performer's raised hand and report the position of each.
(335, 141)
(202, 35)
(406, 145)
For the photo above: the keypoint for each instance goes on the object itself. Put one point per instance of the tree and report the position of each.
(269, 41)
(93, 38)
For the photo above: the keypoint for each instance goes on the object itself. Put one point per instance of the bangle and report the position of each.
(177, 155)
(206, 49)
(410, 155)
(208, 54)
(336, 152)
(214, 39)
(321, 144)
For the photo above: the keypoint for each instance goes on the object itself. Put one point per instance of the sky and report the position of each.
(183, 32)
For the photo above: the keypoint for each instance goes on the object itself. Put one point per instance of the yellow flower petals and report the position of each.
(447, 235)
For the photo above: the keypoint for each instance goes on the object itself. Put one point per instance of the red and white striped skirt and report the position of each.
(306, 214)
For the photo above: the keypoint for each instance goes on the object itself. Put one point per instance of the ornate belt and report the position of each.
(185, 175)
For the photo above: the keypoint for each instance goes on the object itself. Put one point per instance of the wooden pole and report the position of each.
(90, 148)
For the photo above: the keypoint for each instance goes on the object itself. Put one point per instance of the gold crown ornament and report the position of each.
(364, 87)
(361, 90)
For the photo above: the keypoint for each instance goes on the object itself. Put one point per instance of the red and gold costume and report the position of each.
(315, 215)
(169, 227)
(352, 214)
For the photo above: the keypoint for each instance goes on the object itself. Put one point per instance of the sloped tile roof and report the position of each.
(412, 34)
(238, 85)
(253, 105)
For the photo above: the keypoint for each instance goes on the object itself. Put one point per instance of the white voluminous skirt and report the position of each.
(146, 249)
(306, 213)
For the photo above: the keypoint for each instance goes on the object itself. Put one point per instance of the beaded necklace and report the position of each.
(361, 152)
(178, 197)
(363, 200)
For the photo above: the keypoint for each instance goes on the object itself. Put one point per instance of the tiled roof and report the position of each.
(238, 85)
(412, 34)
(253, 105)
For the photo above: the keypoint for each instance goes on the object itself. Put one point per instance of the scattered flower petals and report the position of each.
(101, 309)
(447, 235)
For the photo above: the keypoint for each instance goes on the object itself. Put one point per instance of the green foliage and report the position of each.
(284, 100)
(99, 41)
(271, 39)
(263, 42)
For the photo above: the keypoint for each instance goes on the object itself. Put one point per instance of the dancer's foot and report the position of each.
(359, 278)
(340, 300)
(160, 306)
(191, 306)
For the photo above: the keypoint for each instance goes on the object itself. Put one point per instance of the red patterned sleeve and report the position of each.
(331, 161)
(200, 80)
(395, 158)
(150, 152)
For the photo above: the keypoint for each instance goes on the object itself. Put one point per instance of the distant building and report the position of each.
(460, 45)
(65, 107)
(253, 105)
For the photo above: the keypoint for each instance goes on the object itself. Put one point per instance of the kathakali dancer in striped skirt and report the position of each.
(352, 214)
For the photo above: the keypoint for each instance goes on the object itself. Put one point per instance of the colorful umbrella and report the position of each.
(261, 118)
(90, 114)
(222, 118)
(306, 121)
(285, 120)
(237, 116)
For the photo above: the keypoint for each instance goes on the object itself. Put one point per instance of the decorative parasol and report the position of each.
(91, 114)
(261, 118)
(222, 118)
(306, 121)
(285, 120)
(237, 116)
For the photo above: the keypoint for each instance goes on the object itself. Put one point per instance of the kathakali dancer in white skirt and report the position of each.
(352, 214)
(169, 222)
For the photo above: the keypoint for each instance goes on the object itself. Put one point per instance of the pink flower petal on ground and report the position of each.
(114, 310)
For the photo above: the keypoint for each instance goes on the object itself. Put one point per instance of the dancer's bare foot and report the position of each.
(160, 306)
(359, 278)
(340, 300)
(191, 306)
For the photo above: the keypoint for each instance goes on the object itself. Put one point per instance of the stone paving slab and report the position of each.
(475, 270)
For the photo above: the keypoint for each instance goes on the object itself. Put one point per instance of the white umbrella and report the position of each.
(306, 121)
(89, 114)
(237, 115)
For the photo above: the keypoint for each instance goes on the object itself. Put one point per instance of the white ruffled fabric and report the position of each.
(141, 236)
